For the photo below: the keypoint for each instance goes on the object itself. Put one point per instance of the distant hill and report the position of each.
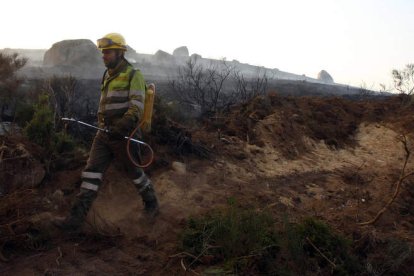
(81, 58)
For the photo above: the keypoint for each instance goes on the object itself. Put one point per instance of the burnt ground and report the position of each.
(330, 158)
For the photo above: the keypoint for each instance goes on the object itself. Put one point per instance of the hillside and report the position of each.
(332, 159)
(81, 58)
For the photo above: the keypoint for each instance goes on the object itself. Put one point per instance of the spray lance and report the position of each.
(129, 139)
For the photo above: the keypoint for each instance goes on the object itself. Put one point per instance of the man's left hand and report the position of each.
(121, 128)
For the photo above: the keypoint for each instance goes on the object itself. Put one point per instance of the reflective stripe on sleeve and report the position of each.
(138, 103)
(89, 186)
(92, 175)
(123, 93)
(116, 106)
(136, 93)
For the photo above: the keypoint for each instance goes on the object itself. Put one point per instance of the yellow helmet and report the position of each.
(112, 41)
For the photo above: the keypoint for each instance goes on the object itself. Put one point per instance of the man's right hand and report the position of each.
(115, 133)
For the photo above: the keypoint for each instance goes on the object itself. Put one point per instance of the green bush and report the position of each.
(63, 142)
(248, 242)
(40, 128)
(24, 114)
(241, 239)
(321, 249)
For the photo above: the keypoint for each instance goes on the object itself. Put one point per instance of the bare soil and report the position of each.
(330, 158)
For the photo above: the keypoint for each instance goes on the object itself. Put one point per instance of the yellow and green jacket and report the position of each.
(122, 98)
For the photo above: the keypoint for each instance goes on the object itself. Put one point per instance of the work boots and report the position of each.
(144, 186)
(150, 201)
(80, 208)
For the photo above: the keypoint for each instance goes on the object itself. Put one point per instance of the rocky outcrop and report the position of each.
(163, 57)
(79, 52)
(83, 60)
(181, 52)
(325, 77)
(131, 55)
(196, 56)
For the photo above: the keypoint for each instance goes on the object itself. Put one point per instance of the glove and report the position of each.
(122, 127)
(115, 134)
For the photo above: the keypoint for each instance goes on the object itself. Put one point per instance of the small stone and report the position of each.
(58, 195)
(179, 167)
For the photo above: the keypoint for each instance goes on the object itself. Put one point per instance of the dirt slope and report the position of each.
(344, 182)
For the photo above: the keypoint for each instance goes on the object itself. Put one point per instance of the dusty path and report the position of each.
(342, 186)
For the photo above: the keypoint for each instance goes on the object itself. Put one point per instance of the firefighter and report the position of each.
(120, 110)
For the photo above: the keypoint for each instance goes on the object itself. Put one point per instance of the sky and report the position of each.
(358, 42)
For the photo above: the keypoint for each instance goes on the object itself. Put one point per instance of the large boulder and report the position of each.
(181, 52)
(195, 57)
(131, 55)
(163, 57)
(78, 52)
(325, 77)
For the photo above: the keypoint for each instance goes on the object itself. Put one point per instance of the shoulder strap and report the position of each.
(131, 75)
(103, 76)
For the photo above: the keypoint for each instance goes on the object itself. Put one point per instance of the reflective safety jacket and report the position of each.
(122, 96)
